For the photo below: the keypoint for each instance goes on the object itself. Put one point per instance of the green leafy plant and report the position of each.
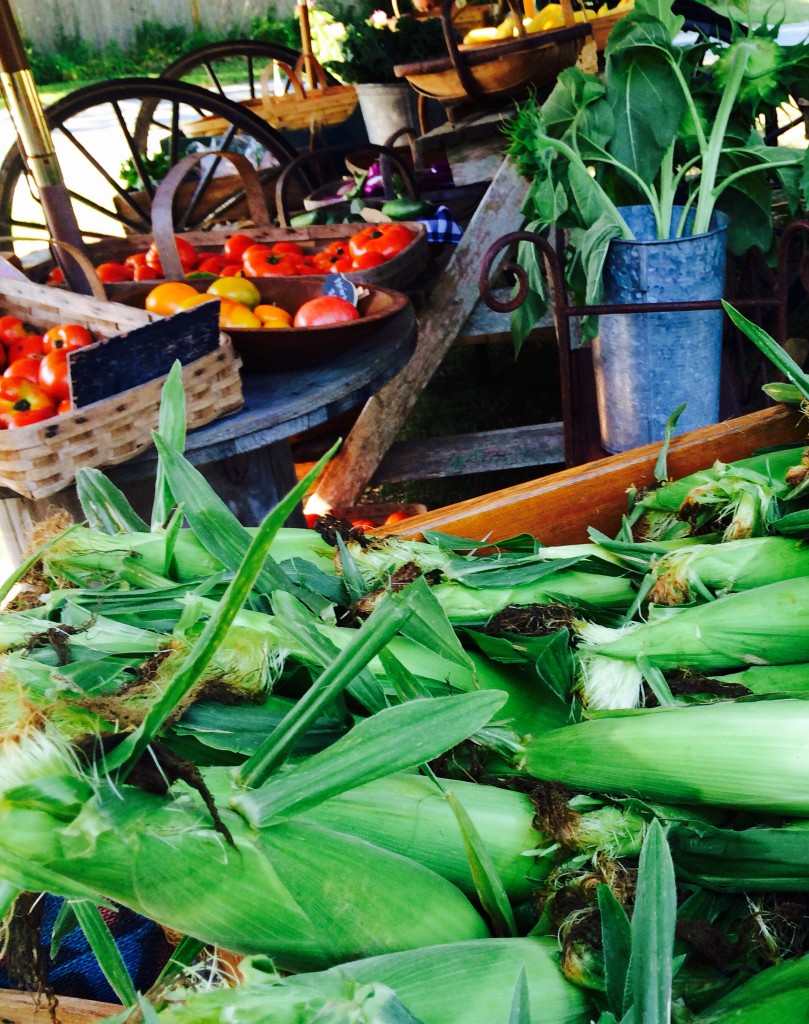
(658, 128)
(373, 43)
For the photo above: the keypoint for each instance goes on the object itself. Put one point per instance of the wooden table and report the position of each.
(246, 456)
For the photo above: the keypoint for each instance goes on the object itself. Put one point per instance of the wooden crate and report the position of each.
(42, 459)
(559, 508)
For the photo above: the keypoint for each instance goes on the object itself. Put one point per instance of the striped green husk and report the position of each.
(750, 755)
(779, 995)
(453, 984)
(409, 814)
(747, 860)
(756, 627)
(302, 894)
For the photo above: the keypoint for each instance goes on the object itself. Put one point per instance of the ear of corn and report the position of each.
(452, 984)
(756, 859)
(746, 755)
(777, 995)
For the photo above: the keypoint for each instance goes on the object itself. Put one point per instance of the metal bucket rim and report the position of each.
(722, 225)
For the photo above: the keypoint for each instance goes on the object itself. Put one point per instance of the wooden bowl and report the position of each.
(265, 350)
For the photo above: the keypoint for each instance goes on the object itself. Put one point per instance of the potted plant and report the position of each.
(650, 168)
(371, 43)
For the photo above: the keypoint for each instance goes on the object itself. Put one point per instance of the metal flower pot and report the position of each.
(646, 364)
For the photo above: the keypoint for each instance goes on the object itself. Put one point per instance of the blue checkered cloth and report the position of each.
(442, 227)
(75, 971)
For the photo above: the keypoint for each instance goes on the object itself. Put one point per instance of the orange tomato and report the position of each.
(197, 300)
(235, 315)
(274, 313)
(113, 273)
(396, 517)
(12, 329)
(166, 298)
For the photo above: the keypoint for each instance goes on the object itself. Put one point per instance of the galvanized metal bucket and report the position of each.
(646, 364)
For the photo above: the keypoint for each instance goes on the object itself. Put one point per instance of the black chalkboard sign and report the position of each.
(336, 284)
(128, 360)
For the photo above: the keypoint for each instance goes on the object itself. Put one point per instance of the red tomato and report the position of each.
(396, 517)
(231, 270)
(147, 273)
(112, 273)
(287, 249)
(210, 263)
(369, 260)
(135, 260)
(259, 261)
(189, 257)
(325, 309)
(27, 367)
(22, 403)
(67, 337)
(363, 524)
(56, 276)
(386, 239)
(63, 407)
(30, 345)
(337, 248)
(235, 247)
(53, 377)
(12, 329)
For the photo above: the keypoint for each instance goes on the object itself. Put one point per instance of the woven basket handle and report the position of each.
(163, 205)
(85, 264)
(319, 79)
(294, 81)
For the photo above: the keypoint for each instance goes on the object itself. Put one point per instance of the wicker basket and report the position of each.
(41, 459)
(320, 105)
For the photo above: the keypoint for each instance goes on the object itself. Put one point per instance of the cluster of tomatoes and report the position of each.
(240, 305)
(243, 257)
(35, 383)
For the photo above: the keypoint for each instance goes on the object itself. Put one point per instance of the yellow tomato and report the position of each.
(237, 289)
(275, 325)
(166, 298)
(235, 315)
(275, 313)
(197, 299)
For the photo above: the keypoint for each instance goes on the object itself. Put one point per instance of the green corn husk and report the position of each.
(749, 755)
(756, 627)
(746, 860)
(408, 814)
(86, 556)
(733, 566)
(305, 895)
(761, 680)
(779, 995)
(452, 984)
(743, 492)
(471, 606)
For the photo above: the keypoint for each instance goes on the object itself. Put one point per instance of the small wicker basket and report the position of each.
(42, 459)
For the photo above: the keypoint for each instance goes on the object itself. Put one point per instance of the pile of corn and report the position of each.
(411, 783)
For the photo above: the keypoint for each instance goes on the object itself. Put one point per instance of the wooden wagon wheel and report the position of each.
(93, 131)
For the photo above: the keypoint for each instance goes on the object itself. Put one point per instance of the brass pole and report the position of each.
(36, 146)
(306, 41)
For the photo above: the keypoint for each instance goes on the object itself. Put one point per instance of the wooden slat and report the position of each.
(22, 1008)
(539, 444)
(449, 306)
(560, 507)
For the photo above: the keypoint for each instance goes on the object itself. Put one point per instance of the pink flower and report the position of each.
(379, 19)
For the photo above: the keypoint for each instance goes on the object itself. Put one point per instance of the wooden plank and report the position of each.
(484, 324)
(539, 444)
(447, 309)
(559, 508)
(23, 1008)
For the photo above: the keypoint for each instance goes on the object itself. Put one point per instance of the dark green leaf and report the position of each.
(105, 951)
(406, 685)
(616, 938)
(661, 472)
(777, 355)
(64, 924)
(595, 245)
(653, 921)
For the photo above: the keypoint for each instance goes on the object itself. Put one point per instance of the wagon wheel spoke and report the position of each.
(206, 178)
(137, 158)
